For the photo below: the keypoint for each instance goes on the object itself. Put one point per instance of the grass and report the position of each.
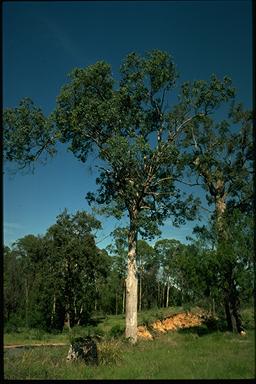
(103, 326)
(176, 355)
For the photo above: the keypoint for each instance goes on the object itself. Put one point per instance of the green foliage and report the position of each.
(57, 274)
(27, 133)
(116, 331)
(84, 331)
(248, 317)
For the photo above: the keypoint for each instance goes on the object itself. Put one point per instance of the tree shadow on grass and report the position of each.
(206, 328)
(199, 330)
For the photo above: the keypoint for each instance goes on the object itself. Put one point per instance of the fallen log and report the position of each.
(34, 345)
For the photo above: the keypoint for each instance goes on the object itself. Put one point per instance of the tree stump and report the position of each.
(83, 348)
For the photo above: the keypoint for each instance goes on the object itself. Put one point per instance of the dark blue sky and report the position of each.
(44, 41)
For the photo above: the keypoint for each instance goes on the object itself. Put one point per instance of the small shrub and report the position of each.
(159, 316)
(10, 328)
(109, 352)
(80, 331)
(212, 323)
(248, 318)
(187, 307)
(13, 324)
(148, 319)
(116, 331)
(36, 334)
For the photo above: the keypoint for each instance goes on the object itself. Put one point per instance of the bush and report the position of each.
(81, 331)
(36, 334)
(109, 352)
(212, 323)
(116, 331)
(248, 318)
(149, 318)
(13, 324)
(159, 316)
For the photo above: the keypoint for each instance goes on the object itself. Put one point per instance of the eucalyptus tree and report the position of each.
(148, 267)
(29, 252)
(220, 156)
(118, 249)
(167, 250)
(135, 133)
(13, 288)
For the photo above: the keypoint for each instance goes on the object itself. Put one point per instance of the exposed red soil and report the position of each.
(172, 323)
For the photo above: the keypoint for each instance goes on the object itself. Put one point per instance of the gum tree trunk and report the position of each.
(26, 300)
(167, 293)
(131, 287)
(231, 299)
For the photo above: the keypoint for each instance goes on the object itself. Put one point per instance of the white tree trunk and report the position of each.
(131, 289)
(53, 308)
(167, 293)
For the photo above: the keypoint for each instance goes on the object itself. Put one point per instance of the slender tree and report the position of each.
(166, 251)
(220, 155)
(118, 249)
(147, 271)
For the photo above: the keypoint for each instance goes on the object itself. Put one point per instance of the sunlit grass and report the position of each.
(171, 356)
(184, 354)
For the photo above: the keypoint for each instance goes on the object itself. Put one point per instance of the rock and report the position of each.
(84, 349)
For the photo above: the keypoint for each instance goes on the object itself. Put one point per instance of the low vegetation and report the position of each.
(193, 353)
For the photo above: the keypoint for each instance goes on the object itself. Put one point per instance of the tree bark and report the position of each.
(26, 299)
(158, 295)
(140, 295)
(231, 300)
(131, 287)
(67, 322)
(213, 310)
(80, 313)
(167, 293)
(53, 308)
(163, 295)
(116, 303)
(123, 309)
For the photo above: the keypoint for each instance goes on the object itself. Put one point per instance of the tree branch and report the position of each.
(190, 184)
(174, 134)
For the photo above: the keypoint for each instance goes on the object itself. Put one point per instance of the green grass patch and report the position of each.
(195, 353)
(171, 356)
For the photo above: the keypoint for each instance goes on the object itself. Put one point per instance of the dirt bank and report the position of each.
(172, 323)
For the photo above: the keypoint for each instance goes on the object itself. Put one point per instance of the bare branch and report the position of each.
(190, 184)
(158, 193)
(145, 207)
(165, 178)
(174, 134)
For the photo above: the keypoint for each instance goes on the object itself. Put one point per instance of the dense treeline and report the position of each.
(61, 279)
